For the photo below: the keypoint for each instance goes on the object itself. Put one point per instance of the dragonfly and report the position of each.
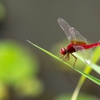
(78, 43)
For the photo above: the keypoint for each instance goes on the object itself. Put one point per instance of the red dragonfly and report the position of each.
(77, 43)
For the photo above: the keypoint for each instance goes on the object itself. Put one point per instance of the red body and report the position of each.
(70, 48)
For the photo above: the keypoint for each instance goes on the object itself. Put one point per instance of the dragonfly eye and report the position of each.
(63, 51)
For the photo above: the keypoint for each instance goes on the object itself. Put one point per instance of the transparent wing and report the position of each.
(87, 54)
(71, 33)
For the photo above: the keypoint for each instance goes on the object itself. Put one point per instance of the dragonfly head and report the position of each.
(63, 50)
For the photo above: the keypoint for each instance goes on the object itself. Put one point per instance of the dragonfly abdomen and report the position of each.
(88, 46)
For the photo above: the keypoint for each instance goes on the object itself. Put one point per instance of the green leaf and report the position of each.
(92, 78)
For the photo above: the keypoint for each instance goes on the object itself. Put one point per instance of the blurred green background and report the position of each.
(26, 73)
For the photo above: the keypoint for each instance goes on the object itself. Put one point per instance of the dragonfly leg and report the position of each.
(75, 59)
(62, 57)
(67, 57)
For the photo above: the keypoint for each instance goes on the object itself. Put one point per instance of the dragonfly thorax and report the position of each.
(70, 48)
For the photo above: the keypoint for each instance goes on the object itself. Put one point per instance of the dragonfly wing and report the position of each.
(65, 26)
(71, 32)
(78, 36)
(87, 54)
